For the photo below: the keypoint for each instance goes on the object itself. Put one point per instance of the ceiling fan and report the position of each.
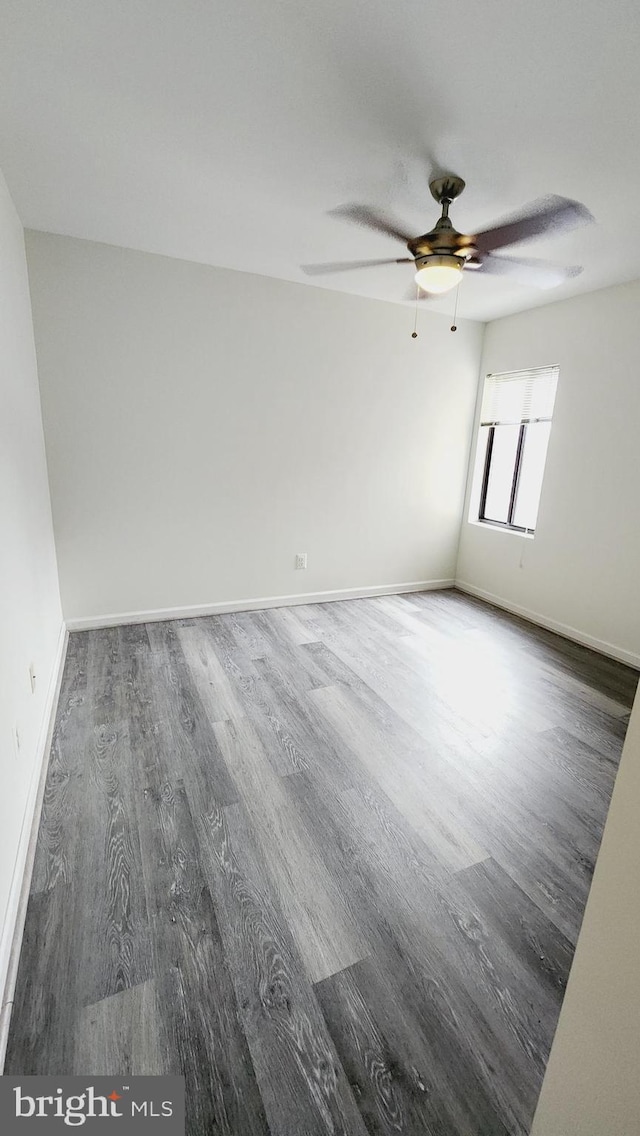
(441, 255)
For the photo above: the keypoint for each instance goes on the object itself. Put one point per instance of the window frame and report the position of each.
(500, 407)
(513, 496)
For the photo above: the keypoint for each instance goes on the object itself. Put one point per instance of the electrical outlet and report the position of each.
(301, 560)
(32, 678)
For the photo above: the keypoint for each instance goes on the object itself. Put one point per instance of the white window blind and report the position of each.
(519, 396)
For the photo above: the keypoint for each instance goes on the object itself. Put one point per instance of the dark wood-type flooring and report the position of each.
(328, 862)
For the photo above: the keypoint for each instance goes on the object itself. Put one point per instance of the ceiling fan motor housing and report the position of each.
(443, 240)
(441, 260)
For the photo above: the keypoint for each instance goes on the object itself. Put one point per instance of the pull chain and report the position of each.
(454, 326)
(414, 333)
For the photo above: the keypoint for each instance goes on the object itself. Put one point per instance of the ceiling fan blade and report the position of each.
(347, 265)
(546, 215)
(372, 219)
(535, 273)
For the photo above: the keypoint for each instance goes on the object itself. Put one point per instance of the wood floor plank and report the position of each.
(406, 1054)
(303, 1085)
(211, 679)
(47, 994)
(66, 759)
(117, 938)
(179, 708)
(93, 903)
(273, 714)
(520, 923)
(121, 1035)
(324, 929)
(418, 797)
(247, 631)
(428, 923)
(296, 668)
(203, 1038)
(288, 618)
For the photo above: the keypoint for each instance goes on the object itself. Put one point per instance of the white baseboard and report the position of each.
(11, 936)
(623, 656)
(93, 622)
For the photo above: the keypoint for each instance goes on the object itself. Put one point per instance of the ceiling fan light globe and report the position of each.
(439, 274)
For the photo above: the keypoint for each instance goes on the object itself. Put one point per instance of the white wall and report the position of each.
(580, 572)
(204, 425)
(30, 615)
(592, 1087)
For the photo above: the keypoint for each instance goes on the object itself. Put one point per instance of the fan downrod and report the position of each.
(446, 188)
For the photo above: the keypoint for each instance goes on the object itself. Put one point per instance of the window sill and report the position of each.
(502, 529)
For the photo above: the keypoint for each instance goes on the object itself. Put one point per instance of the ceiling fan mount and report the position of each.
(446, 188)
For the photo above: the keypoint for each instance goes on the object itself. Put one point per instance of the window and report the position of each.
(515, 423)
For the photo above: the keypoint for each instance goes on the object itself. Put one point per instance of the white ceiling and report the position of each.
(223, 130)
